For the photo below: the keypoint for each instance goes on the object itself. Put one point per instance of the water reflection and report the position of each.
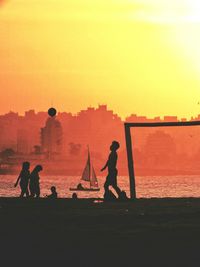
(167, 186)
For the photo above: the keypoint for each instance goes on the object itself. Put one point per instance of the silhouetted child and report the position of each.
(34, 185)
(111, 164)
(74, 196)
(23, 179)
(54, 194)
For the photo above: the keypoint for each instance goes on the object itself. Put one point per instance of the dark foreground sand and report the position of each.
(146, 232)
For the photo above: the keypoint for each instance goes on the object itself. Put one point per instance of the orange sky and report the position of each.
(137, 56)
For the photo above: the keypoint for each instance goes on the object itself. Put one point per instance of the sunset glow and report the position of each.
(136, 56)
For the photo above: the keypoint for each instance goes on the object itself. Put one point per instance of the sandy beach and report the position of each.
(144, 232)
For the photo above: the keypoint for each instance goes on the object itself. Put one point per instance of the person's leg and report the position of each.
(22, 191)
(114, 184)
(27, 192)
(38, 191)
(106, 185)
(117, 189)
(32, 191)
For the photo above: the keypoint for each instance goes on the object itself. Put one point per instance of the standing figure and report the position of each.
(111, 164)
(23, 179)
(34, 185)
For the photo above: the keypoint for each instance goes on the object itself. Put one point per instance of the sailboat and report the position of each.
(89, 176)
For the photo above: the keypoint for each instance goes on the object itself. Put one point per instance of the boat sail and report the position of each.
(86, 172)
(88, 175)
(93, 180)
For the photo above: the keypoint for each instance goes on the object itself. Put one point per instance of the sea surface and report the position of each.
(146, 187)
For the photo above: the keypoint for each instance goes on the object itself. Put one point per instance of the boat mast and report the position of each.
(89, 162)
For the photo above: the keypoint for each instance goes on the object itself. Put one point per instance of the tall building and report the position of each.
(51, 135)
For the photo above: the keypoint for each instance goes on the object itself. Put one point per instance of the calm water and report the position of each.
(172, 186)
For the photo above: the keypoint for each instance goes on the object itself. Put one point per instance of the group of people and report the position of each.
(30, 185)
(29, 181)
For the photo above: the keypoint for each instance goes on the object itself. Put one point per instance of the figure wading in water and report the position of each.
(23, 179)
(111, 164)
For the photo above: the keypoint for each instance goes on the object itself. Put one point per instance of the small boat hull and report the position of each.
(86, 189)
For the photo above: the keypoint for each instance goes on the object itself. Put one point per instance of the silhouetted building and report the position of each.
(170, 118)
(23, 142)
(51, 137)
(34, 136)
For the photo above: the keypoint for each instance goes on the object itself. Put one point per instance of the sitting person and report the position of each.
(54, 194)
(74, 196)
(80, 187)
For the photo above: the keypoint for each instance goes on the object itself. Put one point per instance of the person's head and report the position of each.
(38, 168)
(53, 189)
(114, 146)
(26, 165)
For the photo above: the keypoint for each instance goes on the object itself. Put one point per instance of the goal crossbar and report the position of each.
(129, 148)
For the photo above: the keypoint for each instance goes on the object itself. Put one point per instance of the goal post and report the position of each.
(129, 147)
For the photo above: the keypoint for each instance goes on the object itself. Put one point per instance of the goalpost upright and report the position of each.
(129, 147)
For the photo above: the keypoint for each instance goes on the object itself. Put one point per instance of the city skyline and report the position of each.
(134, 116)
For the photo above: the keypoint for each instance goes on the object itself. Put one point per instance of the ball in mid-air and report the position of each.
(52, 112)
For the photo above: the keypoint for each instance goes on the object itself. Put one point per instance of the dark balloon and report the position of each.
(52, 112)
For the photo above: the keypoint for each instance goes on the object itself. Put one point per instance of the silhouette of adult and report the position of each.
(23, 179)
(34, 185)
(111, 164)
